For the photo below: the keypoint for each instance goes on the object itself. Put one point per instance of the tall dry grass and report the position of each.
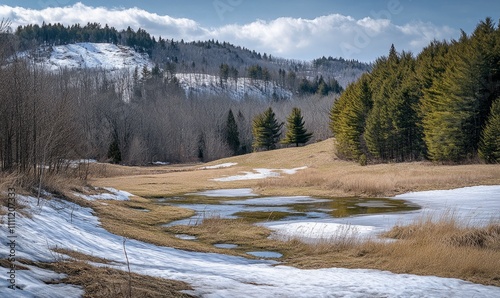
(382, 180)
(441, 246)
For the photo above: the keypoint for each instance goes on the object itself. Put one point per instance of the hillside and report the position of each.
(90, 55)
(93, 46)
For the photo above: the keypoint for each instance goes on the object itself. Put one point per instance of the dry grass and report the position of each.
(108, 282)
(326, 175)
(383, 179)
(215, 230)
(442, 247)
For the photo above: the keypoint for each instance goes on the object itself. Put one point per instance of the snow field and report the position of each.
(65, 225)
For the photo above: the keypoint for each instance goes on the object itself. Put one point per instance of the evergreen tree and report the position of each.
(266, 130)
(392, 131)
(296, 133)
(114, 152)
(489, 147)
(348, 118)
(232, 134)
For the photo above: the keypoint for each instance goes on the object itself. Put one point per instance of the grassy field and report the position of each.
(325, 175)
(442, 247)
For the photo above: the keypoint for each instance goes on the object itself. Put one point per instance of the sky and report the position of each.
(363, 30)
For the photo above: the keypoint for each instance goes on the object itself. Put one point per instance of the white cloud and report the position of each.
(332, 35)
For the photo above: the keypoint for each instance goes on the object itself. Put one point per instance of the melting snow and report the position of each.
(479, 204)
(224, 165)
(65, 225)
(114, 194)
(259, 174)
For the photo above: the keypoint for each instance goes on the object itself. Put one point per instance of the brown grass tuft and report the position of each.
(108, 282)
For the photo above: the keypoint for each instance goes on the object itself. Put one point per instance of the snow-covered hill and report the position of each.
(91, 55)
(116, 57)
(195, 84)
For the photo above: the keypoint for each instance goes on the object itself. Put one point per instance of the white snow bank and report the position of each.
(259, 174)
(472, 205)
(477, 204)
(220, 166)
(68, 226)
(292, 171)
(35, 283)
(114, 195)
(314, 231)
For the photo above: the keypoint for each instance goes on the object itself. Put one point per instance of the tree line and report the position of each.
(201, 57)
(441, 105)
(49, 119)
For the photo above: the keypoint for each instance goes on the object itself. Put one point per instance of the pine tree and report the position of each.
(392, 131)
(266, 130)
(489, 147)
(114, 152)
(296, 133)
(232, 134)
(348, 118)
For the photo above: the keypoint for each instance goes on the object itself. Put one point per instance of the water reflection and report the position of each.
(264, 209)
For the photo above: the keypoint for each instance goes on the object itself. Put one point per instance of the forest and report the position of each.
(50, 119)
(206, 57)
(442, 105)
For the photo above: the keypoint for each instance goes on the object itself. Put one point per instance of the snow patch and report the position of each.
(220, 166)
(201, 84)
(37, 282)
(473, 205)
(314, 231)
(160, 163)
(259, 174)
(114, 195)
(94, 55)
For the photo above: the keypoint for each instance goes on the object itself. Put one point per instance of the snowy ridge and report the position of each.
(197, 83)
(93, 55)
(116, 57)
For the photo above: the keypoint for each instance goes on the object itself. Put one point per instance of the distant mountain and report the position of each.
(200, 67)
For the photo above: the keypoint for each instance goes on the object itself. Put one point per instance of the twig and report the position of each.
(129, 273)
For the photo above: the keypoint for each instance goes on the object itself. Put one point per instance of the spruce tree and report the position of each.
(266, 130)
(489, 147)
(232, 134)
(392, 131)
(296, 132)
(348, 118)
(114, 152)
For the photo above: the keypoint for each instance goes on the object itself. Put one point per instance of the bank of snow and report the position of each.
(219, 166)
(472, 205)
(112, 194)
(65, 225)
(259, 174)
